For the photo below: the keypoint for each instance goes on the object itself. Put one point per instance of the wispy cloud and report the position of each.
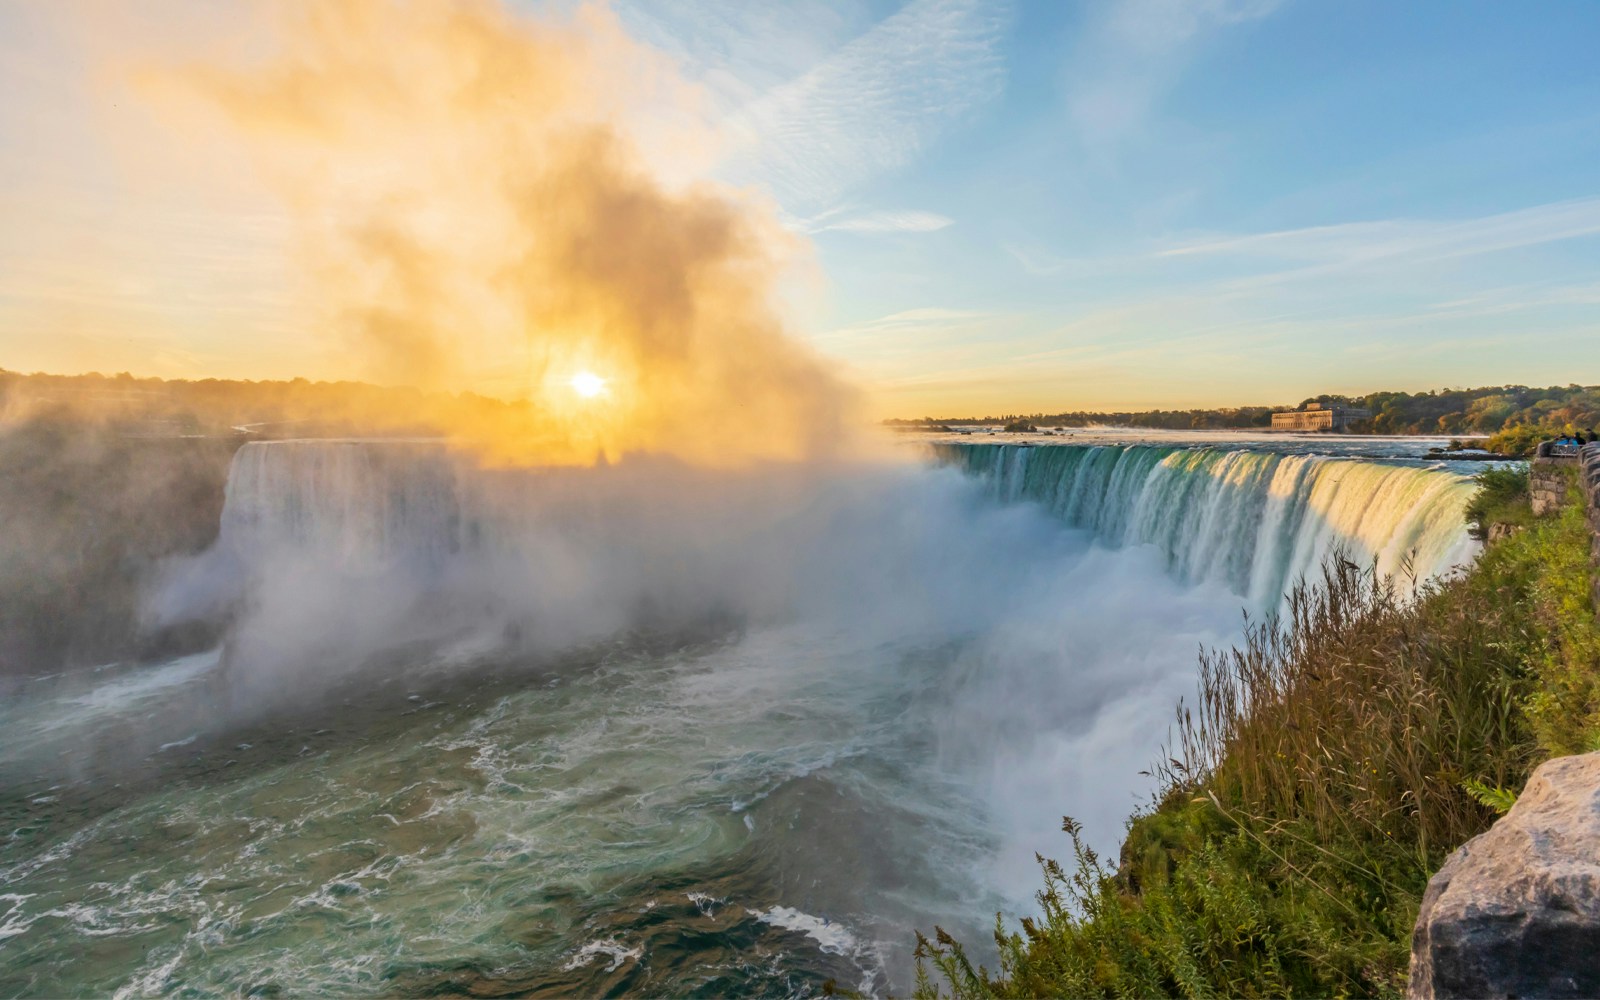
(905, 221)
(1131, 56)
(924, 316)
(925, 323)
(1272, 317)
(1313, 251)
(924, 333)
(1040, 262)
(739, 51)
(1363, 242)
(1517, 298)
(873, 104)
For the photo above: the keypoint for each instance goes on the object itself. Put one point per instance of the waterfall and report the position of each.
(408, 538)
(1252, 520)
(360, 503)
(328, 520)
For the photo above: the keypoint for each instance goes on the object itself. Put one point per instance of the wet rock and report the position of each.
(1516, 911)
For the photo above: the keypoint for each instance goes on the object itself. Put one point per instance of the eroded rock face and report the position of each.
(1516, 911)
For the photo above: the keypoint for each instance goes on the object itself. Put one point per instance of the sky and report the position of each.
(1034, 206)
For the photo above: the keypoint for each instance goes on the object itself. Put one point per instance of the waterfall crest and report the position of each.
(358, 502)
(360, 545)
(1254, 521)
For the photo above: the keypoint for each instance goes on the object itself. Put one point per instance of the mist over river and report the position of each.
(646, 728)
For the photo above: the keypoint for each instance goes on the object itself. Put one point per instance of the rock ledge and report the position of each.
(1516, 911)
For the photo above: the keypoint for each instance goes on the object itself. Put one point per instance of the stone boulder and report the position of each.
(1516, 911)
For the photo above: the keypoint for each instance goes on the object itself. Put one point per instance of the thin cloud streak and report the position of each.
(738, 51)
(913, 328)
(888, 222)
(1220, 314)
(1356, 242)
(1312, 251)
(1131, 57)
(874, 104)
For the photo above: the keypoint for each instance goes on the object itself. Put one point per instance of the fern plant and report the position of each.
(1494, 796)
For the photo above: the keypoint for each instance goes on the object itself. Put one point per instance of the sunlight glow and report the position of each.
(588, 384)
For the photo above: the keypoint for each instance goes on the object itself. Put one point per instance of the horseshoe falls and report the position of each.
(1255, 521)
(643, 728)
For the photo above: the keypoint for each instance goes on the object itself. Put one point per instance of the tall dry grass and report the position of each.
(1362, 711)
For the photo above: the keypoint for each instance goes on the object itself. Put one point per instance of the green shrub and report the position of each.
(1519, 440)
(1543, 573)
(1502, 498)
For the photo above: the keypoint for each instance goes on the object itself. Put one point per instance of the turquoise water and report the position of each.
(716, 807)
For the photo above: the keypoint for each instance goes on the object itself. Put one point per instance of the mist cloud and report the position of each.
(485, 199)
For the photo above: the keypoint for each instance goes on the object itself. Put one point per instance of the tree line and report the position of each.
(1515, 416)
(155, 407)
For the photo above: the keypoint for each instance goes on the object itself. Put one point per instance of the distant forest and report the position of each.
(1514, 415)
(154, 407)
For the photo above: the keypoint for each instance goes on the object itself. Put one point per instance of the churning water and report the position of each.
(641, 728)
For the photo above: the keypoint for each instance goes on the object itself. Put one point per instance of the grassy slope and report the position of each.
(1320, 781)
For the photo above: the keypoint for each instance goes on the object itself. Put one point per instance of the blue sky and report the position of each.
(1169, 203)
(1033, 206)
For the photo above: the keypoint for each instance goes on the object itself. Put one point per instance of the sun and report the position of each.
(587, 384)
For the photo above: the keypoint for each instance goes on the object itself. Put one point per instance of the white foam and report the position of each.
(152, 982)
(832, 938)
(609, 949)
(15, 922)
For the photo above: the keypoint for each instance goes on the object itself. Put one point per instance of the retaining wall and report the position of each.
(1589, 482)
(1547, 489)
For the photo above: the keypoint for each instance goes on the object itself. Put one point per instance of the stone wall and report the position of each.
(1589, 482)
(1547, 482)
(1547, 489)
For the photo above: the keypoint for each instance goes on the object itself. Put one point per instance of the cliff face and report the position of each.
(1516, 911)
(87, 514)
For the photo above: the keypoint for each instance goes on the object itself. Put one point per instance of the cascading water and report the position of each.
(357, 502)
(1252, 520)
(640, 728)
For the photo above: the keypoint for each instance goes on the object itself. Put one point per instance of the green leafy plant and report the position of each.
(1502, 498)
(1494, 796)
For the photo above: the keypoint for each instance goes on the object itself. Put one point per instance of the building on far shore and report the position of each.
(1317, 417)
